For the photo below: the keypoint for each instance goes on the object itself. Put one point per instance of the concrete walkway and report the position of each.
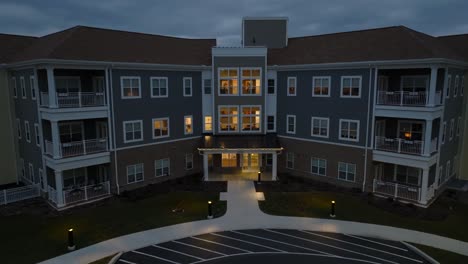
(243, 213)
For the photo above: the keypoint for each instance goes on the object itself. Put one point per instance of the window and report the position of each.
(208, 123)
(414, 84)
(187, 86)
(31, 172)
(41, 175)
(15, 88)
(458, 126)
(162, 167)
(18, 128)
(37, 134)
(135, 173)
(71, 131)
(320, 127)
(251, 118)
(455, 88)
(228, 160)
(444, 132)
(228, 78)
(31, 85)
(449, 84)
(207, 86)
(188, 126)
(27, 131)
(271, 123)
(292, 82)
(189, 161)
(321, 86)
(160, 127)
(228, 118)
(291, 124)
(271, 86)
(23, 87)
(269, 159)
(133, 131)
(251, 81)
(452, 127)
(349, 130)
(462, 86)
(290, 160)
(318, 166)
(346, 171)
(408, 175)
(131, 87)
(351, 86)
(159, 87)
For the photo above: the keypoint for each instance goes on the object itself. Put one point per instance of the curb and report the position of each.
(420, 253)
(115, 258)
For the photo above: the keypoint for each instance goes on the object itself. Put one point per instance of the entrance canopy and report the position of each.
(240, 143)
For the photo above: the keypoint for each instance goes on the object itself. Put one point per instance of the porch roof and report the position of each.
(267, 142)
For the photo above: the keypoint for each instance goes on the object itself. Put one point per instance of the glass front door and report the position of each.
(250, 161)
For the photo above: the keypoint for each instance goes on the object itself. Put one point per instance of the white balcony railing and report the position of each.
(402, 98)
(86, 193)
(20, 193)
(77, 148)
(397, 190)
(76, 99)
(399, 145)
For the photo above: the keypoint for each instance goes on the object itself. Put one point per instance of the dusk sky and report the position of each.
(222, 19)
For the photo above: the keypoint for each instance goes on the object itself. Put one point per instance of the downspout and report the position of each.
(113, 130)
(367, 130)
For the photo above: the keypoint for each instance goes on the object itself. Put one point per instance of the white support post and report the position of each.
(55, 139)
(399, 144)
(396, 190)
(432, 87)
(274, 166)
(205, 166)
(51, 88)
(86, 193)
(59, 188)
(424, 186)
(427, 139)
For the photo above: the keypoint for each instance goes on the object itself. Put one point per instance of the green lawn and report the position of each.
(355, 208)
(30, 238)
(442, 256)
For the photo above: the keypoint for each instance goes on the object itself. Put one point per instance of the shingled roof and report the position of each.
(390, 43)
(10, 45)
(459, 43)
(96, 44)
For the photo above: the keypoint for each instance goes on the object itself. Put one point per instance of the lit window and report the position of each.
(160, 127)
(351, 86)
(349, 130)
(318, 166)
(135, 173)
(188, 125)
(251, 118)
(321, 86)
(161, 167)
(320, 127)
(346, 171)
(130, 87)
(133, 131)
(251, 81)
(292, 86)
(187, 86)
(228, 78)
(159, 87)
(228, 118)
(208, 123)
(228, 160)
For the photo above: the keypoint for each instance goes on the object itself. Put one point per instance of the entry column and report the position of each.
(274, 166)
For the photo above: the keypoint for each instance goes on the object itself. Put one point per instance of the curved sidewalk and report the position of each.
(243, 213)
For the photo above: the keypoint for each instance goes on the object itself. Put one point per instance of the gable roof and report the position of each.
(10, 45)
(459, 43)
(96, 44)
(390, 43)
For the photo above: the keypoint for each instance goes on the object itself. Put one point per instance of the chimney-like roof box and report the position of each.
(270, 32)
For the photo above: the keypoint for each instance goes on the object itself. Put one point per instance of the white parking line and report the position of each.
(209, 241)
(372, 241)
(276, 241)
(178, 252)
(343, 241)
(126, 261)
(245, 241)
(156, 257)
(212, 251)
(324, 244)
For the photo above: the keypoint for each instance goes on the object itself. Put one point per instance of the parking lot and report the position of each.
(273, 246)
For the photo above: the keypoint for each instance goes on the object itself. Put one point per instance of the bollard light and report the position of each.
(259, 174)
(210, 210)
(71, 240)
(332, 210)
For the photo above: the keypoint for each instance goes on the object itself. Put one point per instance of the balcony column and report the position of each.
(427, 139)
(55, 139)
(59, 188)
(424, 186)
(274, 166)
(205, 166)
(51, 88)
(432, 87)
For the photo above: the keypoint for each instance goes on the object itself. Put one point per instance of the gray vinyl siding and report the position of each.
(26, 110)
(304, 106)
(220, 62)
(175, 106)
(269, 33)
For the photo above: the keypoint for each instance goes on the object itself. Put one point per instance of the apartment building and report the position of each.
(98, 111)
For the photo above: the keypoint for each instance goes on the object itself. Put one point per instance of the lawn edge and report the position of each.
(420, 253)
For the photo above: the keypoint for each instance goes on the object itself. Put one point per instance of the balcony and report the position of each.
(77, 195)
(76, 148)
(74, 100)
(397, 190)
(398, 145)
(403, 98)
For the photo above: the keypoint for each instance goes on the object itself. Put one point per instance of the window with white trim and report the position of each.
(188, 125)
(291, 124)
(159, 87)
(444, 132)
(271, 123)
(130, 87)
(290, 160)
(462, 86)
(346, 171)
(18, 128)
(160, 127)
(351, 86)
(292, 85)
(455, 87)
(15, 88)
(318, 166)
(133, 131)
(37, 134)
(135, 173)
(349, 130)
(23, 87)
(271, 86)
(452, 128)
(251, 81)
(27, 131)
(228, 118)
(320, 127)
(31, 172)
(188, 161)
(208, 126)
(415, 83)
(207, 86)
(32, 86)
(458, 126)
(187, 86)
(228, 81)
(250, 118)
(161, 167)
(449, 85)
(321, 86)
